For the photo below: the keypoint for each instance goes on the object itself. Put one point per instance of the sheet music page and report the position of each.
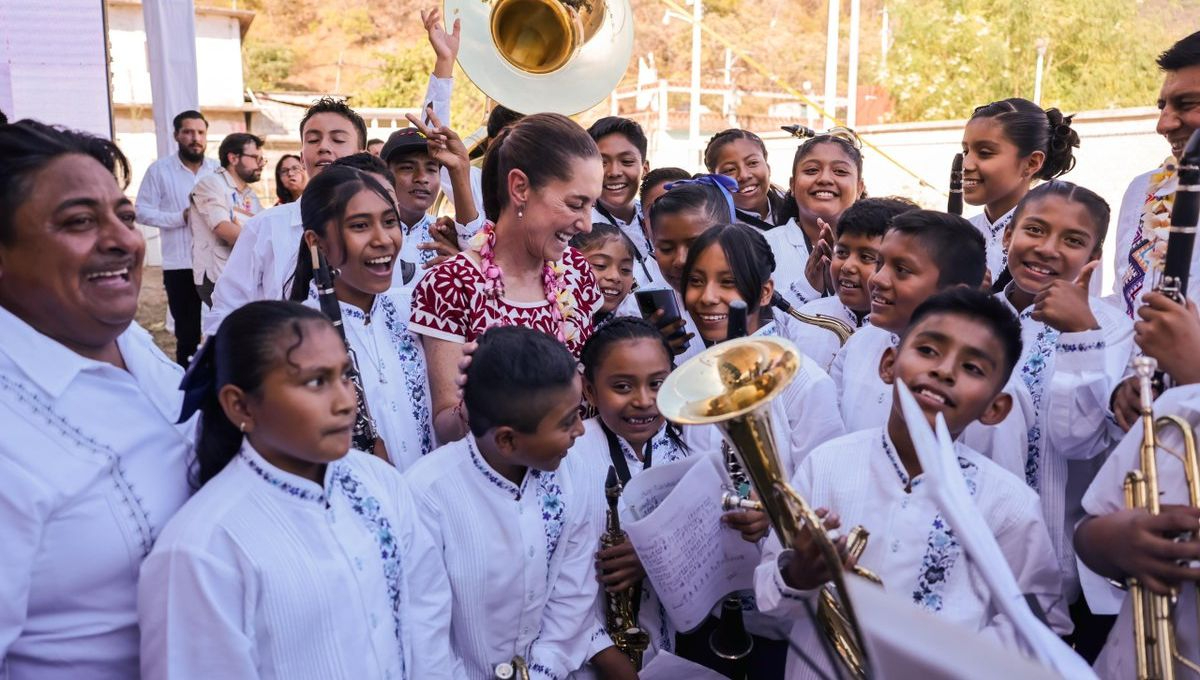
(692, 559)
(667, 666)
(643, 493)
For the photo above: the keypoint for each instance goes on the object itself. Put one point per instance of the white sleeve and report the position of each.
(568, 621)
(1025, 542)
(774, 597)
(23, 514)
(429, 596)
(813, 414)
(1087, 367)
(149, 202)
(192, 615)
(241, 280)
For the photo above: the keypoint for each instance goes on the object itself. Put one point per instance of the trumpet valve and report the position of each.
(731, 500)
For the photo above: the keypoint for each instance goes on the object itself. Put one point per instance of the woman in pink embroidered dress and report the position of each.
(540, 179)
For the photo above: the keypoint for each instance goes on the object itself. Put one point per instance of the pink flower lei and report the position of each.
(562, 302)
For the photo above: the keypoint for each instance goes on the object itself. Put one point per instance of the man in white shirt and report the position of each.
(92, 463)
(162, 202)
(264, 257)
(221, 204)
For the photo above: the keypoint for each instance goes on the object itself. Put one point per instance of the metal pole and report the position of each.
(694, 106)
(1041, 44)
(852, 69)
(831, 63)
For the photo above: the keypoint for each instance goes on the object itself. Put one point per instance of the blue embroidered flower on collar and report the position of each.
(492, 476)
(552, 508)
(942, 551)
(283, 485)
(412, 361)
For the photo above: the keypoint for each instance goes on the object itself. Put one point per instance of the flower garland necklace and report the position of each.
(562, 301)
(1156, 214)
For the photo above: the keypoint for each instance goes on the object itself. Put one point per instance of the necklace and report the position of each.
(562, 301)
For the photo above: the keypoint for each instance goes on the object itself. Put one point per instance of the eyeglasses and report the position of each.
(258, 158)
(292, 171)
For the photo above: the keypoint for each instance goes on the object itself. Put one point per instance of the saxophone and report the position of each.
(840, 328)
(621, 609)
(517, 669)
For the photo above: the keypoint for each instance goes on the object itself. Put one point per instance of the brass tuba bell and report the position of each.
(731, 385)
(535, 56)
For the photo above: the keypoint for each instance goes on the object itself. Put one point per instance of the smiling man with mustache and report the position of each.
(92, 463)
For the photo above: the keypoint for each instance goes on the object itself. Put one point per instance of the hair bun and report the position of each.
(1062, 139)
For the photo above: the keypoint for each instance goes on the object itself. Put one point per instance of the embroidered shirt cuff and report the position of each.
(1081, 351)
(435, 333)
(599, 642)
(787, 592)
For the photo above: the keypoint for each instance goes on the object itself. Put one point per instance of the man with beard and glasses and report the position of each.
(162, 202)
(221, 204)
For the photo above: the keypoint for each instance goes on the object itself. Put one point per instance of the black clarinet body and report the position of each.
(954, 205)
(365, 435)
(1185, 212)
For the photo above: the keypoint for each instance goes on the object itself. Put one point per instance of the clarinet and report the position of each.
(365, 434)
(955, 205)
(1181, 238)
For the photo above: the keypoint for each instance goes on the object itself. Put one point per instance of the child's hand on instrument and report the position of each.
(1170, 332)
(1144, 546)
(752, 524)
(807, 569)
(618, 568)
(1063, 305)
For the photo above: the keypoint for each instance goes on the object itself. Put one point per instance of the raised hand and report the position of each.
(1063, 305)
(445, 146)
(816, 270)
(445, 45)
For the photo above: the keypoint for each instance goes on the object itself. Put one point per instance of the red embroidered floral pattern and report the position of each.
(451, 303)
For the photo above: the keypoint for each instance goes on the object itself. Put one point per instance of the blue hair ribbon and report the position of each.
(726, 184)
(200, 380)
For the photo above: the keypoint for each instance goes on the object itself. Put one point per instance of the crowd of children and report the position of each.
(503, 366)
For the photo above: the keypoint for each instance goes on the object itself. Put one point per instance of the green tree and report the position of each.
(267, 66)
(400, 81)
(950, 56)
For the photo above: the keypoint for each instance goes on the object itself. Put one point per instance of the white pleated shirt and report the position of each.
(1069, 378)
(92, 465)
(265, 574)
(993, 238)
(819, 344)
(395, 377)
(911, 547)
(163, 196)
(791, 257)
(519, 560)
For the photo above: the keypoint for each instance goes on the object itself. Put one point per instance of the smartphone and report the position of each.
(650, 301)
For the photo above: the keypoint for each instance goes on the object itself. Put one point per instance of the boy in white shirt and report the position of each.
(956, 357)
(859, 234)
(511, 525)
(623, 147)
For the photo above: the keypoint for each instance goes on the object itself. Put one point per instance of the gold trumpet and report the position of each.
(1154, 641)
(731, 386)
(840, 328)
(517, 669)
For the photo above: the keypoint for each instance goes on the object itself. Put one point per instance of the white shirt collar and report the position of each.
(295, 486)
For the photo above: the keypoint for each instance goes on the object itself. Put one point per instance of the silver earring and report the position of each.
(242, 427)
(520, 212)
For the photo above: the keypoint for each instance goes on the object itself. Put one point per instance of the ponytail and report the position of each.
(1031, 128)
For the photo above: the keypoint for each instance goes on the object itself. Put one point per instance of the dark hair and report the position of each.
(1181, 55)
(365, 161)
(235, 143)
(659, 176)
(1031, 128)
(622, 329)
(729, 136)
(1097, 208)
(27, 146)
(190, 114)
(705, 199)
(373, 140)
(341, 108)
(976, 305)
(871, 217)
(324, 201)
(601, 232)
(3, 118)
(750, 258)
(954, 245)
(542, 146)
(616, 125)
(512, 376)
(242, 353)
(499, 118)
(281, 192)
(790, 211)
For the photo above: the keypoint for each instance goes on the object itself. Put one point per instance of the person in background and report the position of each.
(374, 146)
(742, 156)
(612, 256)
(290, 179)
(622, 144)
(92, 463)
(220, 204)
(162, 203)
(654, 185)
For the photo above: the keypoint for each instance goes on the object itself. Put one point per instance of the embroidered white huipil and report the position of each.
(92, 465)
(391, 361)
(819, 344)
(791, 251)
(519, 560)
(1069, 378)
(911, 548)
(590, 456)
(253, 271)
(993, 238)
(866, 400)
(265, 574)
(1106, 495)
